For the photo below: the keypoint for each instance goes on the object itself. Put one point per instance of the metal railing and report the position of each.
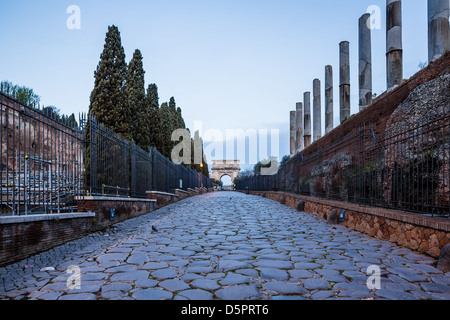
(117, 167)
(404, 166)
(41, 157)
(47, 162)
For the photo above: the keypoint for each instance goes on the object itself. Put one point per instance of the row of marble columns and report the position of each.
(438, 42)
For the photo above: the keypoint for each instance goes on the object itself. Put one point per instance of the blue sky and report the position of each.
(230, 64)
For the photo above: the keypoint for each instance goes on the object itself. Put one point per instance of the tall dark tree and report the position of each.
(108, 101)
(173, 114)
(138, 117)
(152, 104)
(165, 116)
(179, 119)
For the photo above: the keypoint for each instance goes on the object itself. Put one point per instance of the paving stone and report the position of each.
(288, 298)
(313, 284)
(301, 274)
(152, 294)
(146, 283)
(154, 266)
(356, 294)
(196, 294)
(205, 284)
(184, 253)
(215, 276)
(273, 274)
(112, 295)
(112, 256)
(130, 276)
(350, 286)
(201, 263)
(87, 287)
(50, 296)
(78, 297)
(435, 287)
(237, 257)
(276, 264)
(174, 285)
(233, 279)
(124, 268)
(58, 286)
(202, 270)
(167, 273)
(284, 287)
(274, 256)
(241, 292)
(138, 258)
(118, 286)
(92, 276)
(334, 278)
(322, 295)
(395, 295)
(191, 276)
(440, 296)
(306, 265)
(228, 265)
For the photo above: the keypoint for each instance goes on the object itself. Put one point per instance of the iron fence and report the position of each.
(47, 161)
(41, 156)
(403, 166)
(118, 167)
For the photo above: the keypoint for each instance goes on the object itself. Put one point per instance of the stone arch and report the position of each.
(221, 168)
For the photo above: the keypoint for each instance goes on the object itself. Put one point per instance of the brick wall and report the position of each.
(124, 208)
(28, 236)
(21, 240)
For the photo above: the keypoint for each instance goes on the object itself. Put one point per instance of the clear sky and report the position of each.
(230, 64)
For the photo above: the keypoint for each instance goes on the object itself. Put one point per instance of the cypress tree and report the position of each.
(180, 121)
(136, 102)
(173, 114)
(165, 117)
(154, 125)
(107, 101)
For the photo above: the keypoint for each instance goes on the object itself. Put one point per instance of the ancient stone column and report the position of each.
(307, 112)
(394, 46)
(292, 133)
(299, 126)
(438, 28)
(317, 111)
(328, 99)
(365, 62)
(344, 80)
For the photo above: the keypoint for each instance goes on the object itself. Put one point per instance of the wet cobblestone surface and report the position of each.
(226, 246)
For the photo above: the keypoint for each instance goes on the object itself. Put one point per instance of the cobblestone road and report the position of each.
(225, 246)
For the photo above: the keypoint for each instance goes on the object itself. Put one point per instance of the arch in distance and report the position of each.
(221, 168)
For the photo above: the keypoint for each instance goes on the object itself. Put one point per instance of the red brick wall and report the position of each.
(124, 209)
(21, 240)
